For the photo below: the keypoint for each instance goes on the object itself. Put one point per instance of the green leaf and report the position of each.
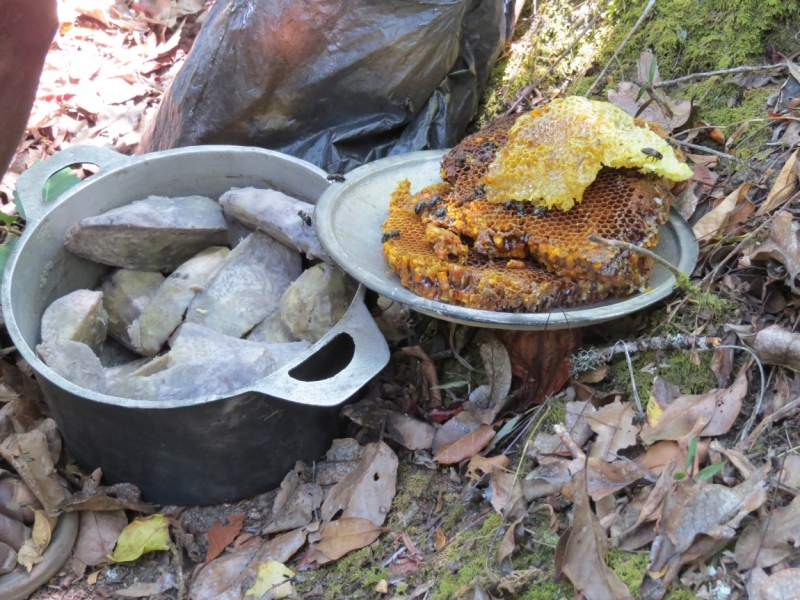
(652, 73)
(150, 534)
(8, 219)
(59, 183)
(641, 91)
(679, 475)
(710, 471)
(691, 453)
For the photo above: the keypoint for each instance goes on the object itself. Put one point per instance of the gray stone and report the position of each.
(76, 317)
(126, 293)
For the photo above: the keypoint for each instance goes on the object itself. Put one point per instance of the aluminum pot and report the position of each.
(203, 450)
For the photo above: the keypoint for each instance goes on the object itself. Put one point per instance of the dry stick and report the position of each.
(633, 380)
(708, 150)
(647, 10)
(667, 342)
(722, 72)
(638, 250)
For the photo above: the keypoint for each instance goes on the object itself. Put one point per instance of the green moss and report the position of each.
(675, 366)
(629, 567)
(690, 36)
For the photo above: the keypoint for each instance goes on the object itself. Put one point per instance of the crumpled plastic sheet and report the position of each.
(336, 83)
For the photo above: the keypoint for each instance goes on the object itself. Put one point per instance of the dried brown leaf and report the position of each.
(584, 555)
(465, 447)
(498, 368)
(430, 378)
(507, 493)
(790, 473)
(480, 466)
(507, 544)
(298, 511)
(456, 428)
(121, 496)
(625, 99)
(576, 423)
(222, 579)
(343, 536)
(786, 184)
(718, 409)
(779, 586)
(97, 535)
(615, 429)
(29, 454)
(220, 536)
(367, 492)
(714, 222)
(539, 361)
(782, 245)
(32, 550)
(408, 431)
(605, 478)
(770, 540)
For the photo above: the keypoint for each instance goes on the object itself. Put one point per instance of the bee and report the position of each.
(508, 205)
(389, 235)
(440, 212)
(460, 160)
(480, 191)
(336, 177)
(654, 154)
(488, 146)
(434, 200)
(419, 206)
(305, 217)
(538, 211)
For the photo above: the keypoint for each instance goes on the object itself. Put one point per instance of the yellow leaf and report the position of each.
(654, 411)
(382, 587)
(784, 187)
(31, 552)
(143, 535)
(272, 581)
(713, 223)
(92, 578)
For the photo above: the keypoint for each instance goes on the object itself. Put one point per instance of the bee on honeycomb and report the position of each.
(468, 242)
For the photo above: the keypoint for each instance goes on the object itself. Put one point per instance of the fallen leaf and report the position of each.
(367, 492)
(714, 222)
(659, 454)
(548, 479)
(298, 511)
(507, 496)
(465, 447)
(440, 541)
(595, 375)
(288, 486)
(507, 544)
(343, 458)
(715, 133)
(150, 534)
(273, 582)
(382, 587)
(779, 586)
(685, 202)
(540, 361)
(625, 98)
(785, 186)
(790, 473)
(32, 550)
(576, 423)
(498, 369)
(782, 245)
(343, 536)
(402, 566)
(122, 496)
(584, 556)
(433, 397)
(411, 433)
(222, 579)
(139, 590)
(605, 478)
(615, 429)
(768, 541)
(698, 513)
(775, 345)
(480, 466)
(718, 408)
(456, 428)
(626, 532)
(220, 536)
(29, 454)
(97, 535)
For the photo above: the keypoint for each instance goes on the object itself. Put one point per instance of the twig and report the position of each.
(722, 72)
(568, 441)
(646, 12)
(178, 564)
(708, 150)
(633, 381)
(586, 360)
(578, 38)
(639, 250)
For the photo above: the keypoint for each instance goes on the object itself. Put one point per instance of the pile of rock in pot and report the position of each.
(227, 316)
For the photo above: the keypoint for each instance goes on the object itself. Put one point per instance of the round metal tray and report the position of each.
(348, 220)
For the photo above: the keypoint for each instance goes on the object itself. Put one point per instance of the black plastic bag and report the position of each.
(335, 82)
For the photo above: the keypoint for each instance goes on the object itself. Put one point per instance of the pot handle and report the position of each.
(371, 354)
(31, 183)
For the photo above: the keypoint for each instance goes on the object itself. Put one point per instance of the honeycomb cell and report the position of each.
(552, 156)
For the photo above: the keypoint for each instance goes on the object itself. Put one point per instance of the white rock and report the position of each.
(272, 329)
(76, 317)
(126, 293)
(75, 362)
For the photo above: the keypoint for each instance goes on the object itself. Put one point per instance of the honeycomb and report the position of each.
(553, 154)
(474, 281)
(450, 242)
(618, 205)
